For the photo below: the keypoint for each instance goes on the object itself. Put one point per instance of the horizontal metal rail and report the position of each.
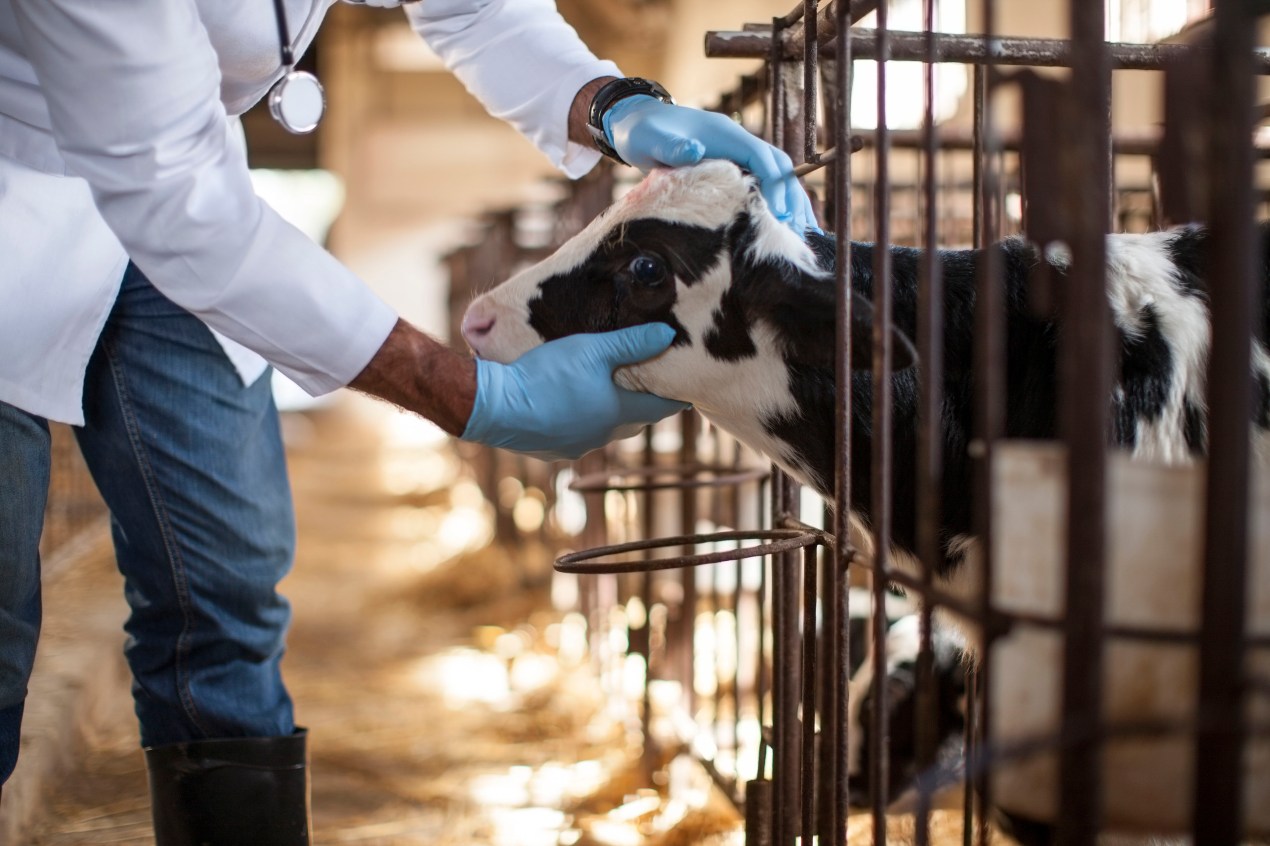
(958, 49)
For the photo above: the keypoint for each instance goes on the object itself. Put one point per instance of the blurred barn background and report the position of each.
(458, 690)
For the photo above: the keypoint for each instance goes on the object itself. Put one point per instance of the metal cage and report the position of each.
(686, 536)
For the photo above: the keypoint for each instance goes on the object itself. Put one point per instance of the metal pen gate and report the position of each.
(770, 721)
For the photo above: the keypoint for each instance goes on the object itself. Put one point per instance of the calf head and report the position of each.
(695, 248)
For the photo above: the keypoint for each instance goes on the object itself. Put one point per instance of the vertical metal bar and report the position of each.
(930, 330)
(688, 428)
(989, 366)
(879, 737)
(971, 733)
(762, 670)
(808, 715)
(840, 571)
(788, 132)
(733, 518)
(737, 599)
(645, 635)
(1085, 366)
(776, 87)
(811, 49)
(827, 704)
(787, 679)
(980, 100)
(1218, 785)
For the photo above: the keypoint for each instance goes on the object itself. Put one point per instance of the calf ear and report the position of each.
(903, 355)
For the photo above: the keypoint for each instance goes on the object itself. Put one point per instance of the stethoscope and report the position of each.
(297, 101)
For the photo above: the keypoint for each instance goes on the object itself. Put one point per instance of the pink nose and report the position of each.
(477, 324)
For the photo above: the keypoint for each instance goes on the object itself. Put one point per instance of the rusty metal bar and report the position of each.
(808, 713)
(1218, 783)
(778, 541)
(855, 145)
(973, 779)
(1085, 392)
(989, 360)
(1123, 143)
(810, 70)
(959, 49)
(840, 115)
(787, 678)
(686, 638)
(880, 495)
(930, 333)
(642, 637)
(787, 133)
(829, 22)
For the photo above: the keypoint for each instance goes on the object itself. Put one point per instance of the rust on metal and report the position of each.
(1084, 398)
(880, 495)
(1218, 782)
(839, 184)
(930, 342)
(976, 49)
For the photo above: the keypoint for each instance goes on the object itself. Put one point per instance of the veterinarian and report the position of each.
(145, 290)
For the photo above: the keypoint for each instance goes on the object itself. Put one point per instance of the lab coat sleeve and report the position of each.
(522, 61)
(133, 95)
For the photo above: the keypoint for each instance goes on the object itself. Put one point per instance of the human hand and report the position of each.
(647, 132)
(559, 400)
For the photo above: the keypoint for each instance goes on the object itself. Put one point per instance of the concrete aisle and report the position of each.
(426, 670)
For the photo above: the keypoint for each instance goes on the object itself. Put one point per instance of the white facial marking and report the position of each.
(711, 195)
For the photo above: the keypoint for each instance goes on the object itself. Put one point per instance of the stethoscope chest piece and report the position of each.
(297, 102)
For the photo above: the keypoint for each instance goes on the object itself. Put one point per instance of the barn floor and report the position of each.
(447, 702)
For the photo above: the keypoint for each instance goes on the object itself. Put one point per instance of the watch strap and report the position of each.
(610, 93)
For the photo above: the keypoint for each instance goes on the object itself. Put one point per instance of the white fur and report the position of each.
(903, 642)
(1140, 274)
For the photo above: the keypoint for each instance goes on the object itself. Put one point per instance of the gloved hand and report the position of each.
(647, 132)
(559, 400)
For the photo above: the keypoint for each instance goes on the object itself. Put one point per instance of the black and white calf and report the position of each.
(753, 307)
(947, 723)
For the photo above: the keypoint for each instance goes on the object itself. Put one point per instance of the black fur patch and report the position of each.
(1261, 400)
(600, 295)
(1124, 424)
(1146, 368)
(729, 338)
(1187, 252)
(1194, 427)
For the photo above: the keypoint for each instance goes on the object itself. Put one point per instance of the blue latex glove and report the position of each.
(559, 400)
(647, 132)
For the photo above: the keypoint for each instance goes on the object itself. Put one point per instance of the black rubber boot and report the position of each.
(231, 792)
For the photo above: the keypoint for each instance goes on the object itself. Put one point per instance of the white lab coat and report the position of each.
(119, 139)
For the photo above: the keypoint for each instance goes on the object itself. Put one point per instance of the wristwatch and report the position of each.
(610, 93)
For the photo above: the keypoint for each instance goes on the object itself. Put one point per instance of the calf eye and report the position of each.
(647, 269)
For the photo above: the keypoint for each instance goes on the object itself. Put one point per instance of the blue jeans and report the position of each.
(192, 467)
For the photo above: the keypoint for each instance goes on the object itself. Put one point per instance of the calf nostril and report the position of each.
(477, 325)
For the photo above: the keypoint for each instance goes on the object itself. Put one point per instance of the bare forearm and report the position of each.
(581, 108)
(420, 374)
